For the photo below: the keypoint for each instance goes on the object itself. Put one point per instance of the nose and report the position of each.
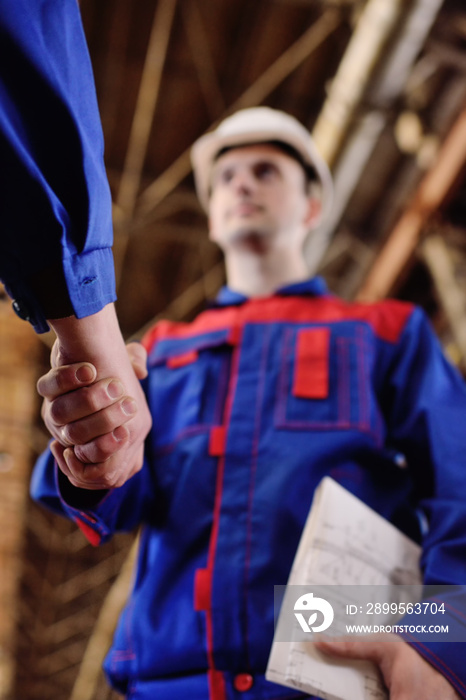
(243, 182)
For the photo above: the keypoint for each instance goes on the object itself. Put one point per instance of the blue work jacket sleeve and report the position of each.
(99, 514)
(427, 399)
(55, 245)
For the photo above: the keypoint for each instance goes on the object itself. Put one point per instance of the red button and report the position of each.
(243, 681)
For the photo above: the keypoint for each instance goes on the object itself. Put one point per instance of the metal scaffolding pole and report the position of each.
(438, 259)
(372, 32)
(401, 244)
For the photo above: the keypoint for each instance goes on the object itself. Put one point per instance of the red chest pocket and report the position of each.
(324, 380)
(311, 370)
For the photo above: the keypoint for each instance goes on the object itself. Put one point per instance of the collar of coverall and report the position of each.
(313, 287)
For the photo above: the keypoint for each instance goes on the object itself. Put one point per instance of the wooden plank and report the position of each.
(19, 351)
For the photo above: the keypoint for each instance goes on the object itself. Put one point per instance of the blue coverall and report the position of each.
(253, 403)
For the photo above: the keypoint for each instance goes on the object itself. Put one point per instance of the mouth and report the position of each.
(244, 209)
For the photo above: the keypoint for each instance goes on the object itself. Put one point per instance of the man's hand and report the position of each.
(405, 673)
(99, 429)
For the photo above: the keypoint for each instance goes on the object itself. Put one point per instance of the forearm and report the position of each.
(96, 339)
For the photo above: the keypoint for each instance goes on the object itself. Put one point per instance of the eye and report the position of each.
(224, 176)
(265, 170)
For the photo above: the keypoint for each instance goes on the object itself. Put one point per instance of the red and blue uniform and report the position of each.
(253, 403)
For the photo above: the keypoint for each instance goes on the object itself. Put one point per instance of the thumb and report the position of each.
(369, 648)
(350, 647)
(138, 357)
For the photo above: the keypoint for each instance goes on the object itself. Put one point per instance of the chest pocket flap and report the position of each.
(187, 386)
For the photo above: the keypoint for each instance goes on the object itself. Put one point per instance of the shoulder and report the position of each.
(206, 322)
(387, 318)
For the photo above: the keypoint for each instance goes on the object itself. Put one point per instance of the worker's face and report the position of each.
(259, 195)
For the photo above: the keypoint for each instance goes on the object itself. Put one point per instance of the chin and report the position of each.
(255, 241)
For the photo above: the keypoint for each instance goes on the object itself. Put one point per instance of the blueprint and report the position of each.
(348, 556)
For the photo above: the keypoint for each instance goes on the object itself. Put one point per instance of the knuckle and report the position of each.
(63, 439)
(63, 379)
(83, 453)
(93, 452)
(56, 412)
(90, 399)
(105, 452)
(94, 398)
(73, 433)
(59, 378)
(109, 420)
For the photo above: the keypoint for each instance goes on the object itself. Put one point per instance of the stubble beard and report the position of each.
(252, 239)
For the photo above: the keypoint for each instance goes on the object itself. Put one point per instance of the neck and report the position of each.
(259, 275)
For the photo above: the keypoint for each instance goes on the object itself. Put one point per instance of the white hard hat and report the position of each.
(258, 125)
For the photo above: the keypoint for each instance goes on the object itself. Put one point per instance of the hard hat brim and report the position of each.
(206, 149)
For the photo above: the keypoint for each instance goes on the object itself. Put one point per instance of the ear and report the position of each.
(314, 210)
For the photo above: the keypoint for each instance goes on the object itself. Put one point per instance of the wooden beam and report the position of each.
(254, 95)
(141, 128)
(431, 193)
(145, 105)
(199, 43)
(19, 353)
(110, 85)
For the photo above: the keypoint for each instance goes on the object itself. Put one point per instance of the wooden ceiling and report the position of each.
(382, 83)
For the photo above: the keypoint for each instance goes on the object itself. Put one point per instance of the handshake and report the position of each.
(96, 410)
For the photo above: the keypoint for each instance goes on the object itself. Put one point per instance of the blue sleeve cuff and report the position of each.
(99, 514)
(80, 286)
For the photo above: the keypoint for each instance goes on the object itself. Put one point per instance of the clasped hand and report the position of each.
(406, 674)
(98, 425)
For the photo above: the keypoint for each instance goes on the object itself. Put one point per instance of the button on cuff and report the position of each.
(23, 312)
